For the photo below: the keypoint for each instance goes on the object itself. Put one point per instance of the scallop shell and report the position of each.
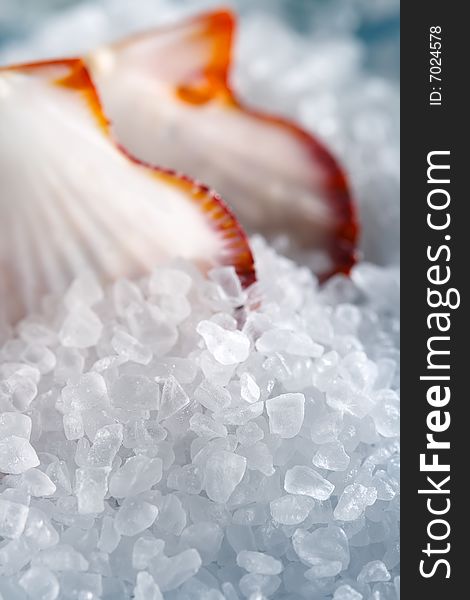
(72, 200)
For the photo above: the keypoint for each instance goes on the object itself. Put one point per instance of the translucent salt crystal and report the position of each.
(188, 479)
(70, 363)
(39, 533)
(173, 572)
(148, 433)
(109, 537)
(37, 483)
(168, 281)
(59, 474)
(125, 293)
(249, 434)
(229, 283)
(16, 455)
(174, 398)
(144, 550)
(136, 475)
(307, 482)
(81, 329)
(225, 320)
(106, 444)
(346, 592)
(73, 426)
(13, 517)
(146, 588)
(89, 392)
(325, 543)
(240, 415)
(357, 369)
(205, 537)
(353, 501)
(227, 347)
(81, 585)
(205, 426)
(62, 557)
(149, 324)
(249, 389)
(22, 390)
(40, 357)
(135, 392)
(211, 396)
(91, 487)
(374, 571)
(258, 562)
(172, 516)
(14, 423)
(84, 291)
(346, 400)
(291, 510)
(331, 456)
(229, 591)
(134, 516)
(386, 413)
(176, 308)
(286, 414)
(130, 348)
(255, 585)
(259, 458)
(224, 471)
(324, 568)
(213, 371)
(40, 583)
(183, 369)
(283, 340)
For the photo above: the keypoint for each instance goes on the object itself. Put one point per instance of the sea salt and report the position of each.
(286, 414)
(40, 583)
(146, 588)
(81, 329)
(182, 436)
(224, 471)
(257, 562)
(134, 516)
(353, 501)
(307, 482)
(16, 455)
(227, 347)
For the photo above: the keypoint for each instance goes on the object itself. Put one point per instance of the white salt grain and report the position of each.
(249, 389)
(258, 562)
(146, 588)
(81, 329)
(307, 482)
(14, 423)
(353, 501)
(373, 572)
(291, 510)
(286, 414)
(346, 592)
(227, 347)
(37, 483)
(224, 471)
(174, 398)
(40, 583)
(134, 516)
(16, 455)
(136, 475)
(135, 391)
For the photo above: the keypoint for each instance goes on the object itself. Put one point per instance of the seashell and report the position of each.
(168, 96)
(72, 200)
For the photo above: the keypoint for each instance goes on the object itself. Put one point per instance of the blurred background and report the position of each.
(333, 65)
